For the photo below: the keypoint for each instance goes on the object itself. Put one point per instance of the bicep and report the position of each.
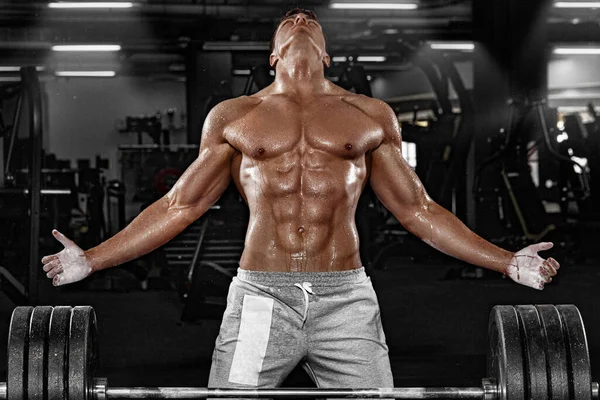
(394, 182)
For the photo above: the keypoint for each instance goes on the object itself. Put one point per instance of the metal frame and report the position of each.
(34, 97)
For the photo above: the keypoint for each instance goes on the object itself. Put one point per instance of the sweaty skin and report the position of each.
(300, 152)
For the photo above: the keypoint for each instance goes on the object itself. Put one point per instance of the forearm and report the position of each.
(153, 227)
(442, 230)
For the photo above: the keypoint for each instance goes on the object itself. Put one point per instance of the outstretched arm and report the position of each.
(401, 191)
(197, 189)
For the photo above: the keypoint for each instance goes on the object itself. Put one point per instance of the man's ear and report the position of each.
(273, 60)
(327, 60)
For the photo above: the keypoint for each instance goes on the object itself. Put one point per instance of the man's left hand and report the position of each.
(529, 269)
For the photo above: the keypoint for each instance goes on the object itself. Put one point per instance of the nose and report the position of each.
(300, 18)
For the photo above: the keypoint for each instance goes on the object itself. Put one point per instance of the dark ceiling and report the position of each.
(154, 35)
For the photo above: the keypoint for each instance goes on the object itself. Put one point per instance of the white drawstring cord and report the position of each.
(306, 289)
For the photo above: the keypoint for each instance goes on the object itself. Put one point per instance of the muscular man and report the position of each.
(300, 152)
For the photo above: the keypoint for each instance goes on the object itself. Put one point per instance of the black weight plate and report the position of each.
(37, 376)
(83, 353)
(57, 353)
(578, 357)
(534, 354)
(556, 352)
(18, 353)
(505, 353)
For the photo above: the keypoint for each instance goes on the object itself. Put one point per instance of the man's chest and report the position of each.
(275, 128)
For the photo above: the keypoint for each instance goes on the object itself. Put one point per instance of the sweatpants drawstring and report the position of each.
(306, 289)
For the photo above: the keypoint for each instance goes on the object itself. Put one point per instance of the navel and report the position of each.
(260, 151)
(348, 146)
(301, 229)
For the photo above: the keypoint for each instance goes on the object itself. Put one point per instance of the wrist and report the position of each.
(92, 259)
(510, 263)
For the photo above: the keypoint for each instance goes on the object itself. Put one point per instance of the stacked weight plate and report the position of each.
(535, 353)
(53, 353)
(539, 352)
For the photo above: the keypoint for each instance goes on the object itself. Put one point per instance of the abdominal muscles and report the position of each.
(301, 217)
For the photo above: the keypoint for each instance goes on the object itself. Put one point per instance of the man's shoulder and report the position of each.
(232, 108)
(228, 111)
(368, 103)
(377, 109)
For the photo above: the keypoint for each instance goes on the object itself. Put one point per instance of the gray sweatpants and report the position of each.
(328, 321)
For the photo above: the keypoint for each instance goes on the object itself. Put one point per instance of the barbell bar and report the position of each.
(535, 352)
(289, 393)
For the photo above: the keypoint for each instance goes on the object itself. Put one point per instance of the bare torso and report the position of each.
(301, 166)
(300, 152)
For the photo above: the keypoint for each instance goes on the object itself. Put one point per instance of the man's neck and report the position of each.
(300, 76)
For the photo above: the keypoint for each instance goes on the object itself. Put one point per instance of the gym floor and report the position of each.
(435, 323)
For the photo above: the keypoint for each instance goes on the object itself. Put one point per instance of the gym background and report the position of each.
(497, 102)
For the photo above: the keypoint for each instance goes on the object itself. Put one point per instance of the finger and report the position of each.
(56, 281)
(542, 246)
(547, 269)
(51, 265)
(65, 241)
(553, 262)
(53, 272)
(544, 271)
(47, 259)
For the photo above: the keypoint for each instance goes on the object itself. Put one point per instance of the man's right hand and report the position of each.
(68, 266)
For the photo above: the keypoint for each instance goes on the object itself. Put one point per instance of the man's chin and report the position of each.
(303, 43)
(302, 38)
(300, 28)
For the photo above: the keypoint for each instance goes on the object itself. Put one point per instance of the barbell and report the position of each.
(535, 352)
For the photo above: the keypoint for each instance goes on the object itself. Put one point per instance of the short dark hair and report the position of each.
(289, 14)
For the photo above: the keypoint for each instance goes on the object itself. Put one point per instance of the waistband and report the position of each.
(322, 279)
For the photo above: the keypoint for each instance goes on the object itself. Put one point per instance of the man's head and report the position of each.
(297, 22)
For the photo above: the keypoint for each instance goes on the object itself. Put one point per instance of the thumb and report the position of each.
(62, 238)
(542, 246)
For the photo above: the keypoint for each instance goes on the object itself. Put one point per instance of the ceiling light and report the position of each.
(91, 5)
(102, 74)
(339, 59)
(452, 46)
(390, 31)
(87, 47)
(577, 50)
(373, 6)
(16, 68)
(241, 72)
(371, 58)
(241, 46)
(577, 4)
